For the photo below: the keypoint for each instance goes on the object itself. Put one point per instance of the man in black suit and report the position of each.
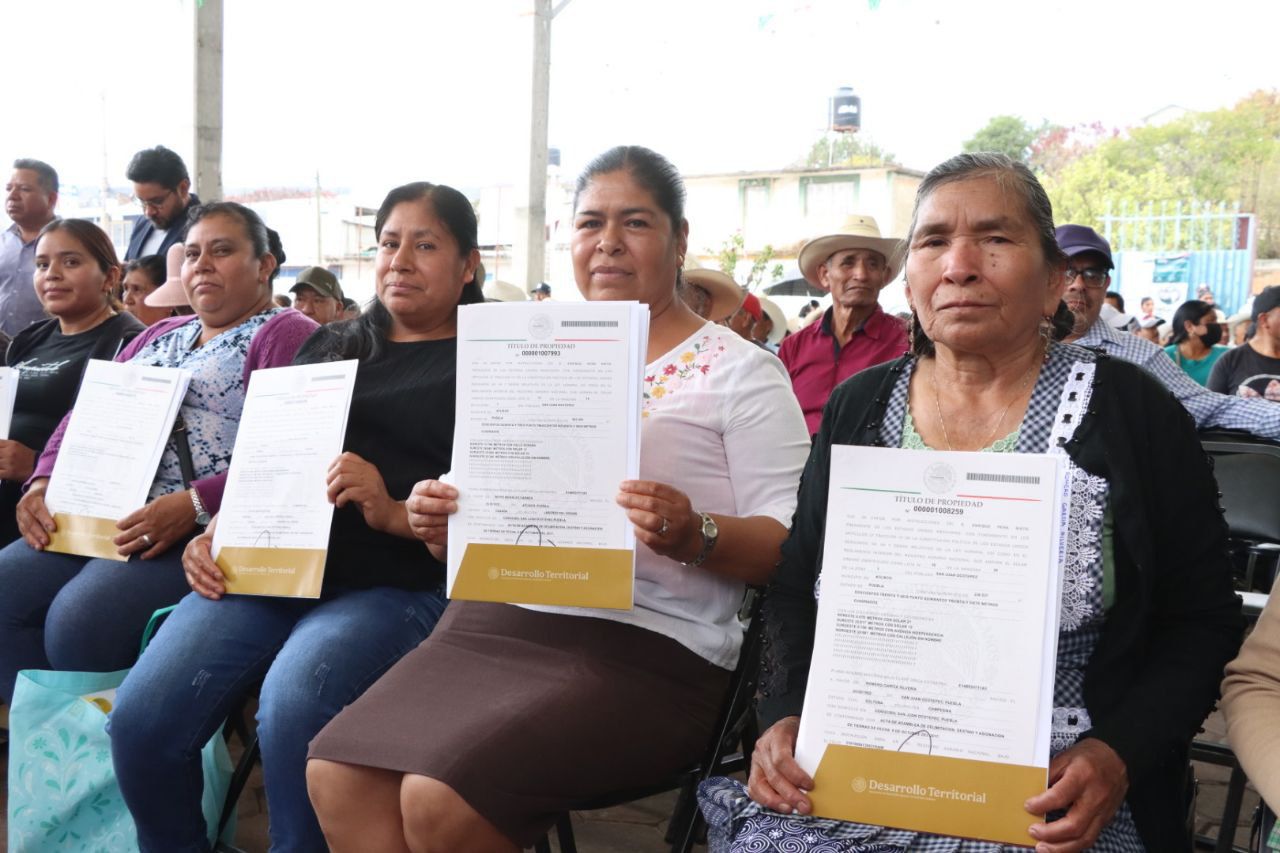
(163, 188)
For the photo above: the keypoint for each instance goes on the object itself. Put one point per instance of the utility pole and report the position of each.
(530, 250)
(105, 221)
(208, 94)
(319, 241)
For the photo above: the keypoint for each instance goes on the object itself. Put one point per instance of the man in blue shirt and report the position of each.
(1089, 268)
(29, 199)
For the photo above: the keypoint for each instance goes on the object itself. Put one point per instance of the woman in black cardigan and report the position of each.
(1148, 618)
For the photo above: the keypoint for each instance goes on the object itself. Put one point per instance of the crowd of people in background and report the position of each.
(435, 729)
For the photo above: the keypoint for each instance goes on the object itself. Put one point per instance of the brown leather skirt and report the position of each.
(526, 714)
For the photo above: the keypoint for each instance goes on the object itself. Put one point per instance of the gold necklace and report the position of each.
(937, 402)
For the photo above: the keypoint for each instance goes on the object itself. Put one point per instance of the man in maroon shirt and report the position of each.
(854, 333)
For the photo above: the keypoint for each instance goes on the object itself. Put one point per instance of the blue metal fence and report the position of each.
(1169, 250)
(1171, 278)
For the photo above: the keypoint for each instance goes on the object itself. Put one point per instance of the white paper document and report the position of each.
(119, 427)
(8, 395)
(273, 527)
(938, 606)
(548, 426)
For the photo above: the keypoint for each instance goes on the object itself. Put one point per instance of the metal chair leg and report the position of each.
(564, 833)
(1231, 811)
(238, 780)
(684, 815)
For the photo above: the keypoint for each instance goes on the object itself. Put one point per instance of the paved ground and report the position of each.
(638, 827)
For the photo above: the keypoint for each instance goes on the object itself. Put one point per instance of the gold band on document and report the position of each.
(928, 793)
(84, 536)
(285, 572)
(532, 574)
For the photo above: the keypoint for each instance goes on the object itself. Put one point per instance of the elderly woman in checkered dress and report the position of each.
(1148, 615)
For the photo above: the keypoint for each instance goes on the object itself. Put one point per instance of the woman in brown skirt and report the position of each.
(507, 715)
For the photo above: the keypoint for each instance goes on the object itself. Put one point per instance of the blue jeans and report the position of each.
(316, 656)
(58, 611)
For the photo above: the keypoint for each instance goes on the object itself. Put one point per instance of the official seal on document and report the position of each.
(540, 326)
(939, 478)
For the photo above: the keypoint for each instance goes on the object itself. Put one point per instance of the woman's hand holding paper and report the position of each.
(17, 461)
(156, 527)
(203, 574)
(429, 506)
(35, 522)
(1090, 781)
(353, 480)
(663, 518)
(777, 781)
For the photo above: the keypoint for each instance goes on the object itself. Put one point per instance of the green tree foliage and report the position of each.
(733, 249)
(1230, 156)
(1005, 135)
(848, 150)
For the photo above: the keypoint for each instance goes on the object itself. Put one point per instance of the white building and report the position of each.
(780, 208)
(785, 207)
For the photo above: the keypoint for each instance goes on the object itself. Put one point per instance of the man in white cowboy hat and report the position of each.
(853, 334)
(711, 294)
(771, 328)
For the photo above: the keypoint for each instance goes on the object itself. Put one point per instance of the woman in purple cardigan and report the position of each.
(59, 611)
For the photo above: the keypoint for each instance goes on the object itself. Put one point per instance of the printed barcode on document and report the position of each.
(1028, 479)
(591, 324)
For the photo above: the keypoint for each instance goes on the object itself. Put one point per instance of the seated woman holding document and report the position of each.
(506, 714)
(60, 611)
(1147, 617)
(382, 591)
(75, 279)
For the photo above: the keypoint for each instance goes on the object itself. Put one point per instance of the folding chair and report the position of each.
(1264, 822)
(1221, 755)
(729, 750)
(1247, 469)
(1248, 473)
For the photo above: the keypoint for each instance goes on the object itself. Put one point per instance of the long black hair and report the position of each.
(1189, 312)
(265, 240)
(647, 168)
(364, 336)
(651, 171)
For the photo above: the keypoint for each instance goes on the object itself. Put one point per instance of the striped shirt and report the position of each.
(1208, 409)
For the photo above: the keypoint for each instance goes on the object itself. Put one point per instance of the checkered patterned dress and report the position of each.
(1059, 399)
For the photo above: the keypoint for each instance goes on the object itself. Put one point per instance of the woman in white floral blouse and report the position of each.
(508, 715)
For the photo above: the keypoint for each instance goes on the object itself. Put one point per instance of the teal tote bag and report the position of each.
(63, 795)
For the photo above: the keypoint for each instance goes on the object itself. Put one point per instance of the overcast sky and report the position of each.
(379, 92)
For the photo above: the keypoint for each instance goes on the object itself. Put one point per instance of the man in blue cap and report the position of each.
(1089, 268)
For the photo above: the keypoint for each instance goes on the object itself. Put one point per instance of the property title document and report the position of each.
(121, 421)
(548, 427)
(8, 395)
(272, 535)
(931, 687)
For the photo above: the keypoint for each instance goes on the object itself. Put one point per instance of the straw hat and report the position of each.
(777, 316)
(501, 291)
(725, 294)
(171, 294)
(858, 232)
